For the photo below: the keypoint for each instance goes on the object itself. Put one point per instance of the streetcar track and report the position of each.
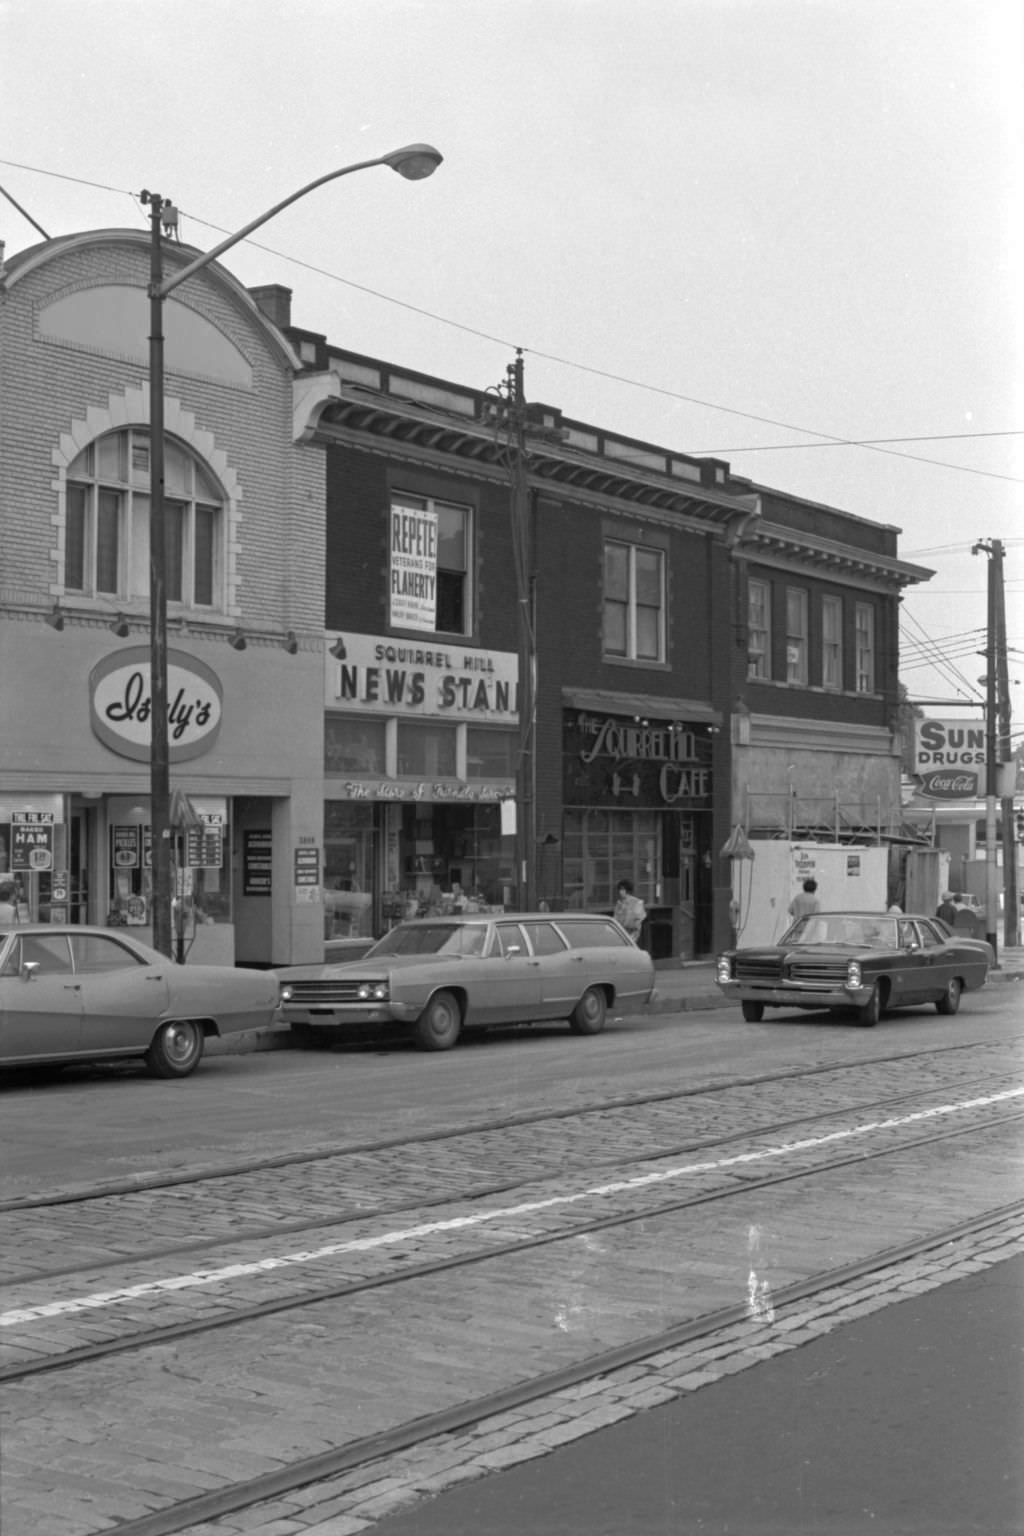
(124, 1345)
(237, 1238)
(204, 1508)
(147, 1183)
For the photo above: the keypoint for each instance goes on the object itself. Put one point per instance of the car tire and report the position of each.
(949, 1002)
(588, 1017)
(176, 1049)
(753, 1012)
(869, 1015)
(440, 1024)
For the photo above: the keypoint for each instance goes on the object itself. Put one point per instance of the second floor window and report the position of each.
(865, 630)
(796, 635)
(759, 629)
(634, 602)
(453, 596)
(832, 642)
(106, 536)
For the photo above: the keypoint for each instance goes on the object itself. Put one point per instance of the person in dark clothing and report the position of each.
(947, 910)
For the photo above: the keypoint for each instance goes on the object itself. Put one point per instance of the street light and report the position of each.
(414, 162)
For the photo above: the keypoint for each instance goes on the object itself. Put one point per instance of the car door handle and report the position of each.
(155, 978)
(72, 986)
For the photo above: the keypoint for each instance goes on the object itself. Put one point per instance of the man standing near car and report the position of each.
(805, 901)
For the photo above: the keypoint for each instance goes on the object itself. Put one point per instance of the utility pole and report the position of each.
(1007, 768)
(513, 418)
(997, 755)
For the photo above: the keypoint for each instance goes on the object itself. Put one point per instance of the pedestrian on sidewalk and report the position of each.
(805, 901)
(947, 909)
(630, 910)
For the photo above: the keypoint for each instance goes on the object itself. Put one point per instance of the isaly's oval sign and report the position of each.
(120, 704)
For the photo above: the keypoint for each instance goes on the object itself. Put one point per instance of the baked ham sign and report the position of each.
(120, 703)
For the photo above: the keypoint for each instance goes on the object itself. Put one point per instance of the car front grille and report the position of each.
(326, 993)
(818, 973)
(761, 968)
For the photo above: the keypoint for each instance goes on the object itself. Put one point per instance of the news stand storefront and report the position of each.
(637, 805)
(420, 744)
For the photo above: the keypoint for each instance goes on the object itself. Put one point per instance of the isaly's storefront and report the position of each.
(420, 749)
(74, 789)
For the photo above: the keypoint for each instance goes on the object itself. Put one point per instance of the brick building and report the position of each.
(707, 652)
(245, 626)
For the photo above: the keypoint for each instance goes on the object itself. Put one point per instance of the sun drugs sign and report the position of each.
(949, 758)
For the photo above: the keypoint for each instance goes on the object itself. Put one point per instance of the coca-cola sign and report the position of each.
(120, 704)
(949, 784)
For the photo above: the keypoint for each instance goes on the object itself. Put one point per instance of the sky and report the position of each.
(788, 233)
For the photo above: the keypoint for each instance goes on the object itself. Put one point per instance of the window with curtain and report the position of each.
(796, 635)
(832, 643)
(106, 533)
(634, 602)
(865, 634)
(759, 629)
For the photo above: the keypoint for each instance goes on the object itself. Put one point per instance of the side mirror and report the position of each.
(513, 949)
(28, 969)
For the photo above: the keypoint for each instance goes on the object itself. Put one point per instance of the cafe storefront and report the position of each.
(637, 805)
(420, 744)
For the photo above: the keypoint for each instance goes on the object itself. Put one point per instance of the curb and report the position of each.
(279, 1038)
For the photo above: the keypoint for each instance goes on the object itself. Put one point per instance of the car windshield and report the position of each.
(844, 928)
(432, 939)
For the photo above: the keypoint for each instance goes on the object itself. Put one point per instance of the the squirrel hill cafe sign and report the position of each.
(618, 760)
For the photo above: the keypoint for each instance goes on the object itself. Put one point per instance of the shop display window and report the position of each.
(348, 869)
(491, 754)
(354, 746)
(426, 750)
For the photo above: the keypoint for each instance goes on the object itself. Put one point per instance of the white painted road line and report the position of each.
(228, 1272)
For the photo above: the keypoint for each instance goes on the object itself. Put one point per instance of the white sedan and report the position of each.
(81, 994)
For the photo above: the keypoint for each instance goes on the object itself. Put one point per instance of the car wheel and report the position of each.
(440, 1024)
(753, 1012)
(176, 1050)
(588, 1017)
(871, 1012)
(949, 1002)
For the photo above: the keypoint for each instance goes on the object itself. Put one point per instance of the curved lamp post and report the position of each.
(414, 162)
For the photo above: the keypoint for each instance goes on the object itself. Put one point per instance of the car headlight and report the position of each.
(286, 993)
(853, 977)
(723, 971)
(372, 992)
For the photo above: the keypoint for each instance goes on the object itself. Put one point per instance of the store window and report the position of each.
(426, 750)
(832, 643)
(634, 602)
(759, 628)
(491, 754)
(454, 610)
(106, 533)
(349, 841)
(603, 847)
(354, 746)
(796, 635)
(865, 635)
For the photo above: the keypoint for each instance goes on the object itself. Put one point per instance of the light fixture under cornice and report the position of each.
(291, 643)
(337, 650)
(238, 641)
(120, 627)
(55, 619)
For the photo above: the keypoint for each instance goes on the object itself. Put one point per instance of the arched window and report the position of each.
(106, 540)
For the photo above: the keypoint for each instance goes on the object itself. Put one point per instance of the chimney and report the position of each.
(276, 303)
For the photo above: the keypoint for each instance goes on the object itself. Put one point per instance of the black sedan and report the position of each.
(865, 961)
